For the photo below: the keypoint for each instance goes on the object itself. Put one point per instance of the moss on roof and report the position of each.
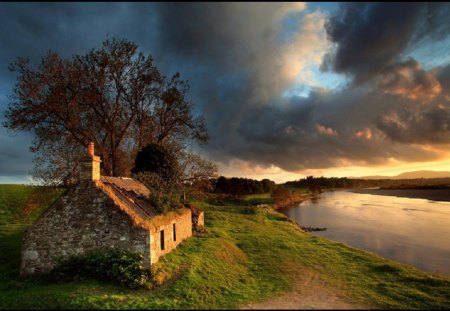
(127, 193)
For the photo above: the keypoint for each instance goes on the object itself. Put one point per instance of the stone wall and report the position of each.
(82, 219)
(183, 228)
(198, 216)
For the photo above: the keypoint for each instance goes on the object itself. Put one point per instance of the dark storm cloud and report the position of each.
(205, 42)
(435, 22)
(224, 41)
(198, 31)
(32, 29)
(427, 123)
(322, 131)
(423, 125)
(13, 159)
(371, 36)
(409, 80)
(444, 80)
(238, 71)
(241, 83)
(371, 40)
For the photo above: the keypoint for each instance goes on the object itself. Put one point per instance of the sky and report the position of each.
(287, 90)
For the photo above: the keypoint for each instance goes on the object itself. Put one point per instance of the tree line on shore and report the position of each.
(246, 186)
(243, 186)
(318, 183)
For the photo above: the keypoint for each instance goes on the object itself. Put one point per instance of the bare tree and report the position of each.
(112, 96)
(194, 170)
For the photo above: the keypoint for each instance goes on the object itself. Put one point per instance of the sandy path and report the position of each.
(309, 293)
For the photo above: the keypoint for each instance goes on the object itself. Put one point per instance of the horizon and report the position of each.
(287, 90)
(30, 181)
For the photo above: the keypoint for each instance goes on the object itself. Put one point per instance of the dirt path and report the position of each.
(309, 293)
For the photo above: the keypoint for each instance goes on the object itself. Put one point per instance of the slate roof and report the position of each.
(126, 184)
(128, 194)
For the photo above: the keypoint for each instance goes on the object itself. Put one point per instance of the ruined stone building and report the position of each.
(100, 212)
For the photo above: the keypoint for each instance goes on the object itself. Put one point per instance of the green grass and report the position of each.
(19, 206)
(248, 254)
(258, 199)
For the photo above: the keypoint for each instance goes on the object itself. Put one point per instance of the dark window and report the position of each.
(162, 239)
(174, 233)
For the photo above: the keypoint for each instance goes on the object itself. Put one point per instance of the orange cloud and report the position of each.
(410, 81)
(327, 131)
(393, 118)
(364, 134)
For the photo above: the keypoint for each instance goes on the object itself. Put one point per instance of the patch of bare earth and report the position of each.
(310, 292)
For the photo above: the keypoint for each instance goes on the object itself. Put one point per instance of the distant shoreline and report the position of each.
(428, 194)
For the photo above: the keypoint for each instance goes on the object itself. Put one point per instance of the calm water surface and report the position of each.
(411, 231)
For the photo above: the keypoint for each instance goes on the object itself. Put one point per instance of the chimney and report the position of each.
(90, 149)
(90, 165)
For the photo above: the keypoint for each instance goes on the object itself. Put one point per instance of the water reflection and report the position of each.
(411, 231)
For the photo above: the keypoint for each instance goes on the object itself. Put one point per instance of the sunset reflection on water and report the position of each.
(411, 231)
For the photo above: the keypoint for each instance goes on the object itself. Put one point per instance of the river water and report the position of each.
(411, 231)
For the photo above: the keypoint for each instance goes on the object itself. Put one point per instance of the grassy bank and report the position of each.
(248, 254)
(285, 197)
(19, 207)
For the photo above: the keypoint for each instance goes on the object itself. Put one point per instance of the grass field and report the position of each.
(248, 254)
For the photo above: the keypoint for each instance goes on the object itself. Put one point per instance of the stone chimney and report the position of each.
(90, 165)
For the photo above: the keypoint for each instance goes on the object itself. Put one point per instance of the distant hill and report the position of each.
(411, 175)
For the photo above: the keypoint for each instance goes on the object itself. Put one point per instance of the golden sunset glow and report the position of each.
(246, 169)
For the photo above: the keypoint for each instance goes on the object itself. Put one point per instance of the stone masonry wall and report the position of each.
(82, 219)
(198, 217)
(183, 228)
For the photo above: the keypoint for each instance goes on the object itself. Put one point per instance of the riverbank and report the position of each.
(371, 222)
(428, 194)
(287, 198)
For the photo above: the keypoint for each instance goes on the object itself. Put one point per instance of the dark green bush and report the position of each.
(385, 268)
(157, 159)
(249, 210)
(164, 195)
(111, 264)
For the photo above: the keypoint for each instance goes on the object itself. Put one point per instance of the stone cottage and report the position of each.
(98, 212)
